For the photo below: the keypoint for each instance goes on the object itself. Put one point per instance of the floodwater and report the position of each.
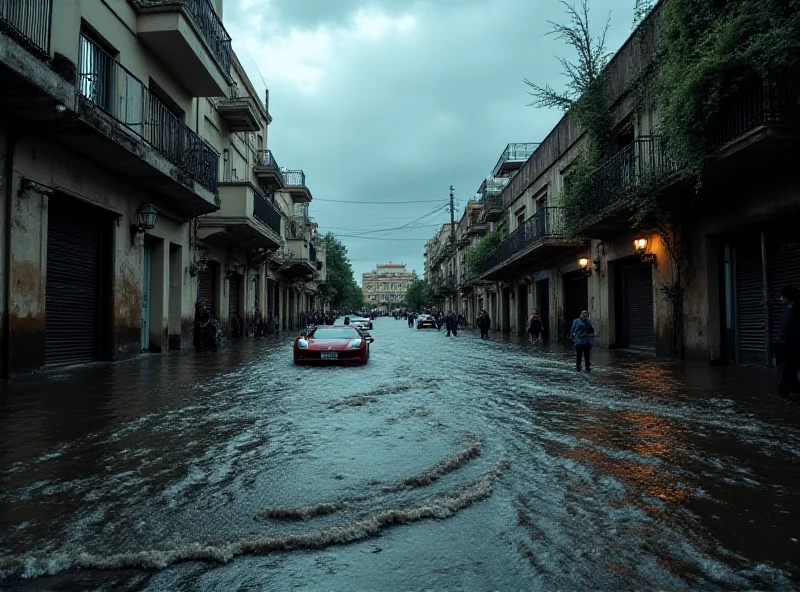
(444, 464)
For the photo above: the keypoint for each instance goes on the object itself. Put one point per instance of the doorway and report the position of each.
(576, 298)
(543, 304)
(522, 309)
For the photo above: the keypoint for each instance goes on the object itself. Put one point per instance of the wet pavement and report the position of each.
(444, 464)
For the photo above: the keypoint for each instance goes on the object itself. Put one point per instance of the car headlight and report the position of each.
(355, 344)
(302, 344)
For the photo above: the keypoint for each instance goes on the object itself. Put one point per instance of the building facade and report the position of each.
(385, 287)
(136, 182)
(744, 245)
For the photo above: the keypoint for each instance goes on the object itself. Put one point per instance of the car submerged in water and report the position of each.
(337, 344)
(426, 322)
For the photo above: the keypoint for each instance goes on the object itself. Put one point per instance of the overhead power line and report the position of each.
(404, 226)
(377, 238)
(384, 203)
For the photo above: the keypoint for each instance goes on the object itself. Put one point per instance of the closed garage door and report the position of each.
(205, 288)
(233, 295)
(783, 263)
(751, 337)
(638, 307)
(73, 284)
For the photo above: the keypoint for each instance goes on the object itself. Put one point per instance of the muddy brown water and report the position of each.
(443, 464)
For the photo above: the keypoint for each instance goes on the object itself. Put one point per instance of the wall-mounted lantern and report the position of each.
(583, 263)
(641, 247)
(148, 214)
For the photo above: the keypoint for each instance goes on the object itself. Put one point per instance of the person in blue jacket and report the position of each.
(582, 334)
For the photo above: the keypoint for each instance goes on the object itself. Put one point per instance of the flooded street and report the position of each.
(443, 464)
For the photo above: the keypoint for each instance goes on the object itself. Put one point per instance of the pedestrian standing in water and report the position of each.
(452, 324)
(582, 334)
(787, 346)
(535, 327)
(484, 322)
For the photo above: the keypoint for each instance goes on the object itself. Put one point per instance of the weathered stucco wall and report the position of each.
(74, 177)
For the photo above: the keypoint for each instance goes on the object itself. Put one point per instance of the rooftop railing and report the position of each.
(108, 85)
(208, 23)
(517, 152)
(548, 222)
(266, 213)
(294, 178)
(28, 21)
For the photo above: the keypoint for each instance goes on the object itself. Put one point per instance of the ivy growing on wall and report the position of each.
(708, 49)
(477, 255)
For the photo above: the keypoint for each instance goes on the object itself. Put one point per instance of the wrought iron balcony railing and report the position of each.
(265, 212)
(264, 159)
(644, 161)
(294, 178)
(208, 23)
(546, 223)
(112, 88)
(29, 22)
(759, 101)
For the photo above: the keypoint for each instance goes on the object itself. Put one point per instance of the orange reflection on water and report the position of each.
(642, 477)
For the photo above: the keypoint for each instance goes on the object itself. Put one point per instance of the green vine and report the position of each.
(477, 255)
(710, 48)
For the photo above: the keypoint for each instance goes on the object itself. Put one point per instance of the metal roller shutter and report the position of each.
(72, 298)
(205, 288)
(751, 337)
(638, 320)
(233, 295)
(783, 264)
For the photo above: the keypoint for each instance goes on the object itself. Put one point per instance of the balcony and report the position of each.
(300, 263)
(513, 157)
(757, 129)
(642, 163)
(239, 112)
(267, 171)
(245, 218)
(492, 209)
(29, 22)
(295, 185)
(539, 238)
(476, 226)
(137, 137)
(189, 38)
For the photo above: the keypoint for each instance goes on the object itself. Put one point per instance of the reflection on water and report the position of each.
(459, 462)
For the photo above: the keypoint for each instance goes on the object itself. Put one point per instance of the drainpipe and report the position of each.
(8, 173)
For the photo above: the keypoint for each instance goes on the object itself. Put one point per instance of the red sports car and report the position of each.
(332, 345)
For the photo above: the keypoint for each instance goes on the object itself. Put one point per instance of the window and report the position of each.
(96, 70)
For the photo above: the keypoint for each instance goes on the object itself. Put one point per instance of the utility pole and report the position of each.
(452, 220)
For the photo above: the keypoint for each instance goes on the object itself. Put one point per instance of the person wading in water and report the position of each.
(582, 336)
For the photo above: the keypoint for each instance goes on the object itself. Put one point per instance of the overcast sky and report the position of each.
(395, 100)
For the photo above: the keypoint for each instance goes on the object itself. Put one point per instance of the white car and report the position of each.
(362, 323)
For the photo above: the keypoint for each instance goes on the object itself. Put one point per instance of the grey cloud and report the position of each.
(405, 118)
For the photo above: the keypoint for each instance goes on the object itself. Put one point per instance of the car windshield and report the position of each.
(334, 333)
